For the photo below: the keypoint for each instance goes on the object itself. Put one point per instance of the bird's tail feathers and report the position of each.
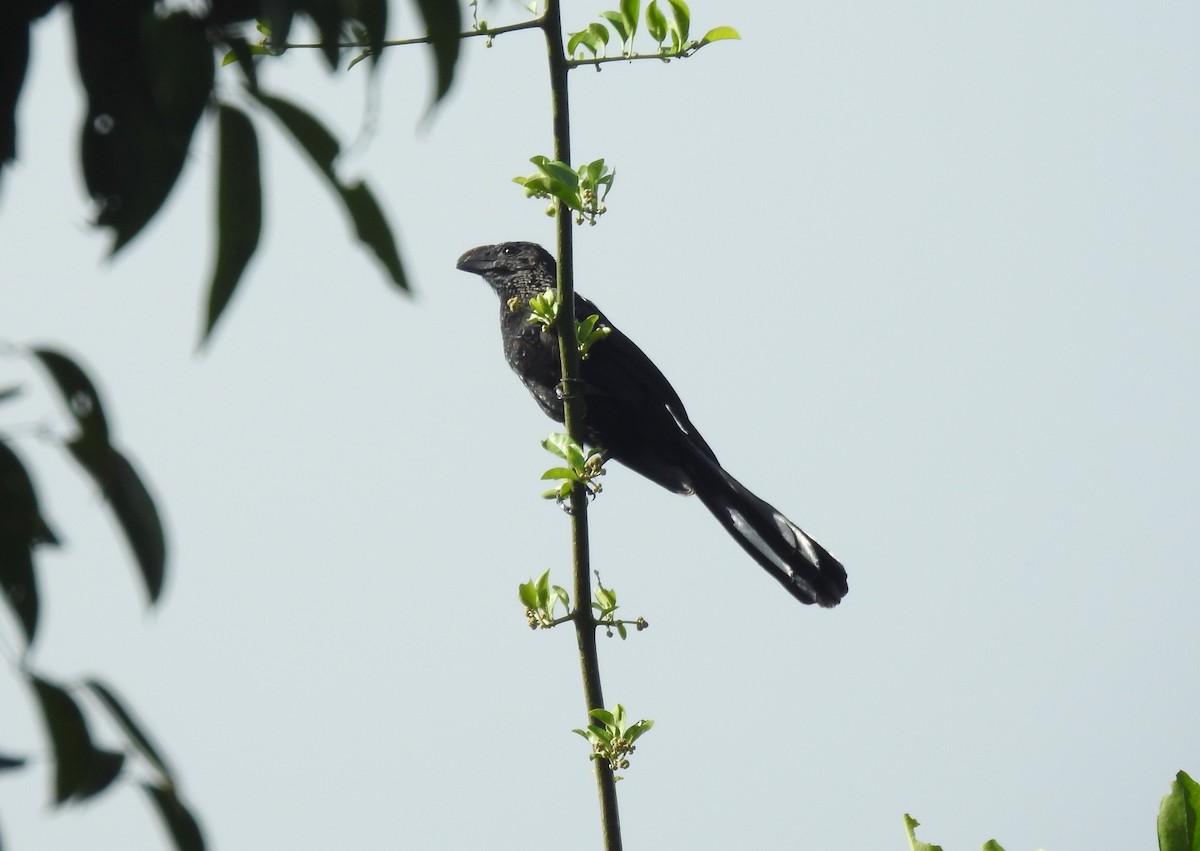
(804, 567)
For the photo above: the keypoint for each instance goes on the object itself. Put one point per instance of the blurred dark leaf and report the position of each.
(15, 19)
(314, 138)
(327, 17)
(22, 527)
(244, 54)
(239, 207)
(14, 57)
(373, 15)
(129, 725)
(133, 506)
(103, 769)
(278, 14)
(223, 12)
(19, 584)
(148, 79)
(69, 739)
(120, 483)
(182, 825)
(371, 227)
(8, 763)
(78, 393)
(443, 19)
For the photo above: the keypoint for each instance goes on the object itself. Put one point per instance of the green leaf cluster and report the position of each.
(583, 467)
(541, 601)
(671, 34)
(612, 736)
(582, 190)
(1177, 820)
(588, 332)
(543, 309)
(604, 604)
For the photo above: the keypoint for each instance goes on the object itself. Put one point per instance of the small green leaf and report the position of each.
(992, 845)
(560, 473)
(638, 730)
(1177, 816)
(914, 844)
(618, 23)
(656, 22)
(557, 444)
(561, 173)
(683, 18)
(584, 38)
(599, 31)
(543, 588)
(528, 595)
(631, 11)
(603, 716)
(595, 170)
(719, 34)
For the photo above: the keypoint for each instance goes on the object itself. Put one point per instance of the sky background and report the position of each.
(925, 275)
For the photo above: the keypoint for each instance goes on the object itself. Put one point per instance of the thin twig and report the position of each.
(534, 24)
(633, 57)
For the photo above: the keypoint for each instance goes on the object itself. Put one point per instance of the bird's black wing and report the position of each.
(619, 372)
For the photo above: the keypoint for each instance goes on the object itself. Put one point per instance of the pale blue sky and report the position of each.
(965, 238)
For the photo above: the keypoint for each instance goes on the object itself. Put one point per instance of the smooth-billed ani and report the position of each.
(636, 417)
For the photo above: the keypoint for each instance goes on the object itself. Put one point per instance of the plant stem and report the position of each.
(408, 42)
(573, 412)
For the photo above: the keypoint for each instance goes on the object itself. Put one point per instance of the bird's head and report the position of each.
(511, 268)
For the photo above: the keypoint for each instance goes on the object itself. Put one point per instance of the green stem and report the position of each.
(573, 412)
(634, 57)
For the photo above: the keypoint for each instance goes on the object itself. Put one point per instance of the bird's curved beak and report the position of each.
(478, 260)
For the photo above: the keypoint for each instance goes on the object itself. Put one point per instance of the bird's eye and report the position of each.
(508, 250)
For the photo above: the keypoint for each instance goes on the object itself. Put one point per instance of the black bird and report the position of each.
(634, 415)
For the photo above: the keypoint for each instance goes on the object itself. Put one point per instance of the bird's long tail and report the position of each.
(798, 563)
